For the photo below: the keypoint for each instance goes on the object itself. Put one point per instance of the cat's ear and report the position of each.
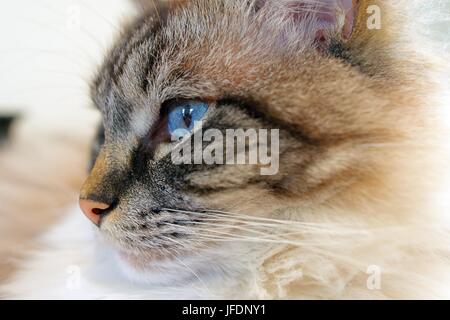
(315, 20)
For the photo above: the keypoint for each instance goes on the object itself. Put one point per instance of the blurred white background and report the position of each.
(49, 51)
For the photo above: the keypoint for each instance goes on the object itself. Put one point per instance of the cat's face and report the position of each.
(241, 70)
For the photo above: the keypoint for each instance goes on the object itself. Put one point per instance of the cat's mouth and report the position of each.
(140, 249)
(151, 240)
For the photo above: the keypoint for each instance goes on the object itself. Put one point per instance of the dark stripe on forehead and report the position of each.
(107, 91)
(143, 30)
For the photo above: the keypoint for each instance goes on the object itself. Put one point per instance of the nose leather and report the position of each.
(93, 210)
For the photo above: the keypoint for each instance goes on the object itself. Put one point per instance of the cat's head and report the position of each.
(310, 69)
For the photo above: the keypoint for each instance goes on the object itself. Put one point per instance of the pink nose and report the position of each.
(93, 210)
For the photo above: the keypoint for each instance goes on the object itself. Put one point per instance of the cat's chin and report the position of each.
(153, 268)
(141, 261)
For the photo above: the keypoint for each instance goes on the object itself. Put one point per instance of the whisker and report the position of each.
(262, 229)
(268, 238)
(284, 227)
(253, 218)
(186, 266)
(108, 21)
(156, 10)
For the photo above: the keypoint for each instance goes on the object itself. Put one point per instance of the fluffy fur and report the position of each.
(369, 186)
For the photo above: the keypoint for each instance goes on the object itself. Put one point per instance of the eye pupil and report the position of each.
(187, 116)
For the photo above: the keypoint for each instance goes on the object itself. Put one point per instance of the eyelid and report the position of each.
(177, 101)
(167, 105)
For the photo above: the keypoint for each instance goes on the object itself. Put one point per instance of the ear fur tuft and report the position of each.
(316, 21)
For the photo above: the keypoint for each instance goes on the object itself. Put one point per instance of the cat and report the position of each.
(352, 211)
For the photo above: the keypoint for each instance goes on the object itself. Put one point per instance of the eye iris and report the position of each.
(182, 117)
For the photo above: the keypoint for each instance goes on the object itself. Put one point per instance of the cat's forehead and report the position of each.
(197, 49)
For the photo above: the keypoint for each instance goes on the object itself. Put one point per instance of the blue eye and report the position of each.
(183, 115)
